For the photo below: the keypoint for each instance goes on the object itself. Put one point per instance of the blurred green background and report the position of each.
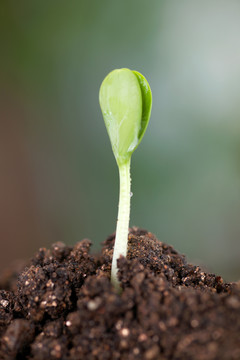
(58, 176)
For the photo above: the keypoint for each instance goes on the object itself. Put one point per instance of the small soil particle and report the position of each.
(62, 306)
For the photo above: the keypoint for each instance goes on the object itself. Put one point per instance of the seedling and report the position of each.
(126, 101)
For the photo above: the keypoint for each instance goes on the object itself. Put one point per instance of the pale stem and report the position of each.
(121, 239)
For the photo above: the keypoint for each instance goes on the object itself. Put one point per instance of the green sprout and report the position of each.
(126, 100)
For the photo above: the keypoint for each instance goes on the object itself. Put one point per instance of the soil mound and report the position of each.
(63, 306)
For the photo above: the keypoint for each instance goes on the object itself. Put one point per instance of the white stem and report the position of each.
(121, 239)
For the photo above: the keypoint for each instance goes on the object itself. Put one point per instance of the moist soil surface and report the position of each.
(63, 306)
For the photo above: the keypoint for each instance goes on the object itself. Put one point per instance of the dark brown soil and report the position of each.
(63, 306)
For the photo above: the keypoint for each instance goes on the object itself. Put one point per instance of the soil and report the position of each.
(63, 306)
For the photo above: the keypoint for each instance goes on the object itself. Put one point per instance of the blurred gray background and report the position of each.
(58, 176)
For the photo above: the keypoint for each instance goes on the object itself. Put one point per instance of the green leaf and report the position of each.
(125, 100)
(146, 103)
